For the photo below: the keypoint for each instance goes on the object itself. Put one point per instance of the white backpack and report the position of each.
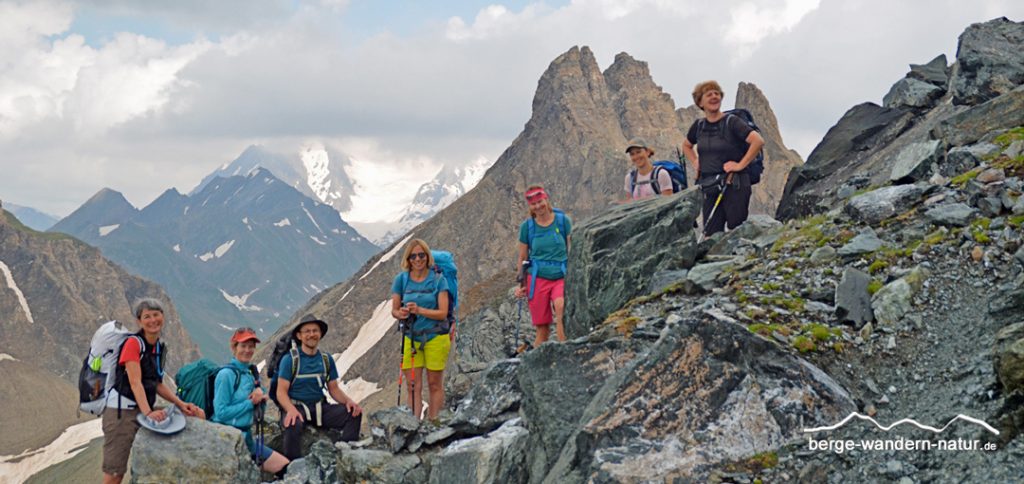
(98, 369)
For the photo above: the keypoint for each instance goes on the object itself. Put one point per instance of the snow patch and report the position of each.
(226, 327)
(17, 292)
(369, 335)
(343, 296)
(311, 219)
(223, 248)
(18, 468)
(283, 222)
(359, 389)
(245, 220)
(239, 301)
(5, 356)
(207, 256)
(318, 241)
(318, 171)
(391, 253)
(106, 229)
(177, 247)
(313, 287)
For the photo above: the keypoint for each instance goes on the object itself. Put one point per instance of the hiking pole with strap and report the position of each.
(711, 216)
(401, 356)
(259, 411)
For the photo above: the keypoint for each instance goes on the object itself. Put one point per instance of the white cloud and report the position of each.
(140, 114)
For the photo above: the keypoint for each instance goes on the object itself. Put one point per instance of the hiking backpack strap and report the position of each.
(632, 182)
(536, 263)
(654, 180)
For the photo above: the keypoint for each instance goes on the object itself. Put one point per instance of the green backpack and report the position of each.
(196, 382)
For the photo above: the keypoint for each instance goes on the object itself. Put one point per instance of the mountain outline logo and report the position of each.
(910, 421)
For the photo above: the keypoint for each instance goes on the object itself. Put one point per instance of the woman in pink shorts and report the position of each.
(544, 246)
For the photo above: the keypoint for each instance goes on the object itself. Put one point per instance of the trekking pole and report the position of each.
(259, 411)
(401, 356)
(711, 216)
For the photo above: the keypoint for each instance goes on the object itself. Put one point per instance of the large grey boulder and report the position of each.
(380, 467)
(966, 127)
(853, 302)
(615, 253)
(1007, 304)
(959, 160)
(492, 401)
(500, 456)
(203, 452)
(990, 61)
(318, 466)
(756, 226)
(914, 162)
(951, 214)
(558, 382)
(706, 393)
(892, 301)
(1008, 357)
(912, 93)
(394, 428)
(935, 72)
(877, 205)
(708, 276)
(865, 242)
(485, 337)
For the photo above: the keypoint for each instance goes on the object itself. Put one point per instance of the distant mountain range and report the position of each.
(245, 250)
(32, 218)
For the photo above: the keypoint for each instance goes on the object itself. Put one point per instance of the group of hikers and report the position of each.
(722, 146)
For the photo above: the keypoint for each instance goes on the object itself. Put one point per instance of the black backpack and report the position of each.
(286, 344)
(756, 167)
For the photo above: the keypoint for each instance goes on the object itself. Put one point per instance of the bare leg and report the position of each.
(559, 305)
(543, 333)
(435, 388)
(112, 479)
(275, 463)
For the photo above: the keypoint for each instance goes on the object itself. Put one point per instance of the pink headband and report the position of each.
(535, 195)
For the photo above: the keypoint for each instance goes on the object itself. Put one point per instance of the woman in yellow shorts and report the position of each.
(419, 297)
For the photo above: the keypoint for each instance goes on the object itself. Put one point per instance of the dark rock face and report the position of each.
(1006, 111)
(558, 382)
(615, 253)
(492, 401)
(704, 381)
(990, 61)
(1008, 357)
(379, 467)
(864, 127)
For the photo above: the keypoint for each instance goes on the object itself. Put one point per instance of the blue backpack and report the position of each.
(444, 266)
(675, 171)
(531, 233)
(756, 167)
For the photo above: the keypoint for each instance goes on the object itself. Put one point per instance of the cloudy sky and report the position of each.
(140, 96)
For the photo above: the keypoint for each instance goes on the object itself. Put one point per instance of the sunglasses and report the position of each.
(421, 255)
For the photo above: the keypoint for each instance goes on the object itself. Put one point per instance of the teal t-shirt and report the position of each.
(424, 294)
(548, 244)
(308, 390)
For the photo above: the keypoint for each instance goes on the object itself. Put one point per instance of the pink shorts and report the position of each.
(543, 295)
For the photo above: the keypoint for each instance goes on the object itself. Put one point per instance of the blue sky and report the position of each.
(117, 93)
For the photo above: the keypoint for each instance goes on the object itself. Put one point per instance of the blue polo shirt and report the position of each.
(308, 390)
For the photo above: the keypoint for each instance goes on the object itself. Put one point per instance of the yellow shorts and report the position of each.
(433, 354)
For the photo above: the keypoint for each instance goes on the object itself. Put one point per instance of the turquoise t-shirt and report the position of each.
(424, 294)
(548, 244)
(309, 390)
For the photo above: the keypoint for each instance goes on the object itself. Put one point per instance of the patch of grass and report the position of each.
(873, 287)
(762, 329)
(1004, 140)
(804, 344)
(627, 325)
(961, 180)
(978, 230)
(1015, 221)
(770, 287)
(877, 266)
(808, 230)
